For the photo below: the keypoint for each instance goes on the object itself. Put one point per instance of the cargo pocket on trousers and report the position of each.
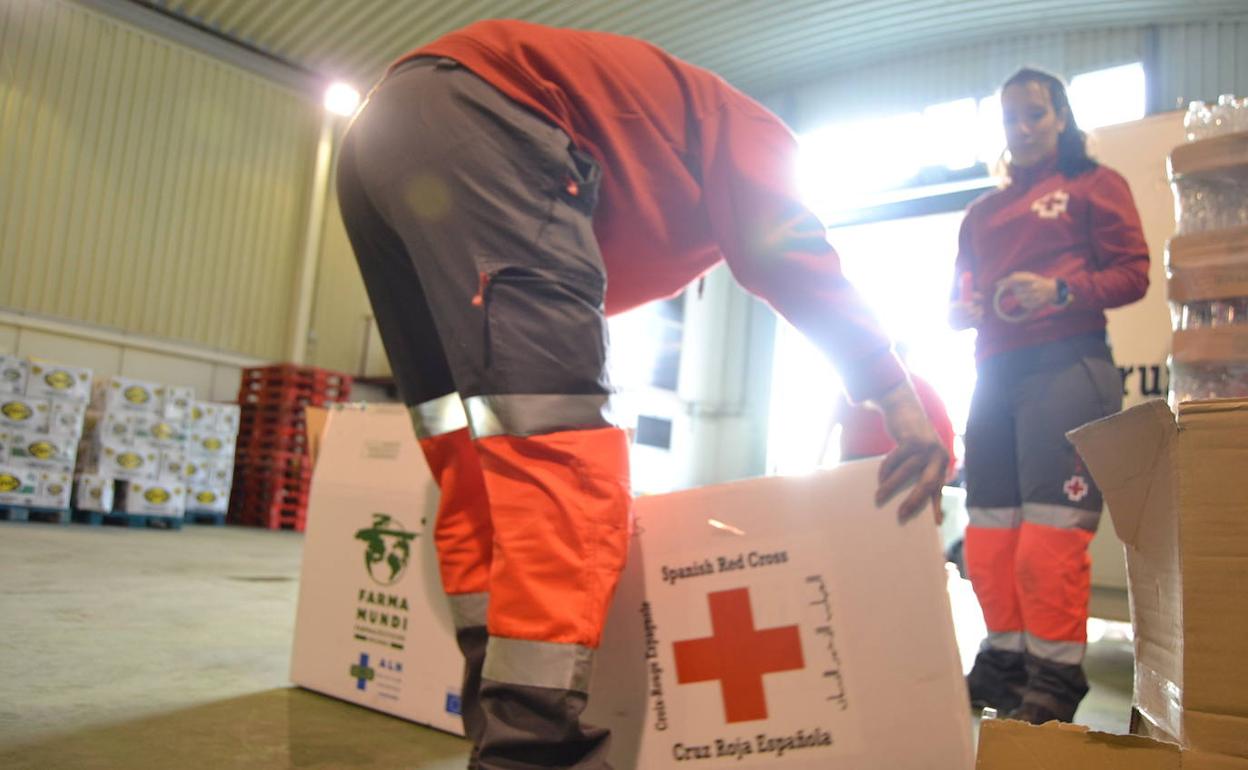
(545, 332)
(1106, 382)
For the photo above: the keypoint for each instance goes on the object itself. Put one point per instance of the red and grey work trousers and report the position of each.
(1034, 507)
(471, 220)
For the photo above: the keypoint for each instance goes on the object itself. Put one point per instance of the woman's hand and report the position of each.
(968, 314)
(1032, 291)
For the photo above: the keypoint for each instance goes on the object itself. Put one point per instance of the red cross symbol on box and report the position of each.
(737, 655)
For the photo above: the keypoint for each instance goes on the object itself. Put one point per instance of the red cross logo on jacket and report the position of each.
(737, 655)
(1052, 205)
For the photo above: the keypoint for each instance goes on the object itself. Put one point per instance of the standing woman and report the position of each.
(1039, 261)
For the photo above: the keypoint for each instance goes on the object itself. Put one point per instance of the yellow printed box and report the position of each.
(153, 498)
(207, 499)
(159, 432)
(18, 485)
(14, 372)
(65, 418)
(34, 488)
(214, 446)
(41, 450)
(93, 493)
(133, 463)
(25, 413)
(49, 380)
(177, 403)
(122, 394)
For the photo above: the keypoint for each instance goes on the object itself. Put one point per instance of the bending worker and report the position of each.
(492, 184)
(1039, 261)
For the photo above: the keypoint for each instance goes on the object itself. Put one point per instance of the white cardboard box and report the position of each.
(55, 488)
(176, 404)
(227, 418)
(66, 418)
(203, 416)
(122, 394)
(18, 485)
(782, 622)
(153, 498)
(24, 413)
(211, 473)
(114, 428)
(362, 634)
(207, 499)
(106, 458)
(51, 380)
(14, 371)
(210, 445)
(93, 493)
(38, 449)
(848, 607)
(34, 487)
(162, 433)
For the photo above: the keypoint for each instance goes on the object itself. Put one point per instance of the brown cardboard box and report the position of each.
(1212, 265)
(1178, 495)
(1008, 745)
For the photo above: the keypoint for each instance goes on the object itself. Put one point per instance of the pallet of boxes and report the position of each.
(42, 406)
(154, 456)
(273, 469)
(1177, 492)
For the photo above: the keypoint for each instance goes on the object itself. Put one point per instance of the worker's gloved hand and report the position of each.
(919, 458)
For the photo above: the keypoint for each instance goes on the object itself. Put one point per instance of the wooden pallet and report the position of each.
(210, 518)
(21, 513)
(129, 520)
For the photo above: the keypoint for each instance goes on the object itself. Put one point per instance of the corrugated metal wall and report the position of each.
(144, 186)
(1190, 61)
(1200, 61)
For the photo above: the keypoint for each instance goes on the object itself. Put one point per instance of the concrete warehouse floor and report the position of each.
(146, 649)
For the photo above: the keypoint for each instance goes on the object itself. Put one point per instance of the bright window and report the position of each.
(904, 269)
(1107, 97)
(846, 166)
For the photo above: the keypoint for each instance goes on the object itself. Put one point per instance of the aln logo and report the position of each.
(738, 655)
(1051, 206)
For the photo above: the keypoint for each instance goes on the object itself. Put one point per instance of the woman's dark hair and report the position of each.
(1072, 149)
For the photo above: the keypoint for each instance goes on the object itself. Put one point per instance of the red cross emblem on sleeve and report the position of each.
(1075, 488)
(737, 655)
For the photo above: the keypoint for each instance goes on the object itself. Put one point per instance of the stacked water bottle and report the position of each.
(1207, 261)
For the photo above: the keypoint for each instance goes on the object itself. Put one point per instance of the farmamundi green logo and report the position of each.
(381, 616)
(388, 549)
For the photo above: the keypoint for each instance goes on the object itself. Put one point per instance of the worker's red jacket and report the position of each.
(1083, 229)
(693, 172)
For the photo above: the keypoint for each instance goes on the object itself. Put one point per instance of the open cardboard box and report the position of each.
(1177, 491)
(1009, 745)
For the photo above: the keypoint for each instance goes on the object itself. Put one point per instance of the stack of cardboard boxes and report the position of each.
(209, 466)
(42, 406)
(1207, 268)
(165, 452)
